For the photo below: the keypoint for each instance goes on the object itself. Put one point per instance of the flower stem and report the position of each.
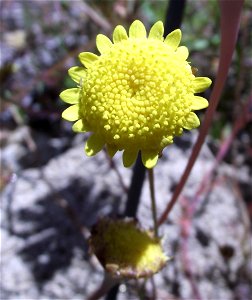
(153, 201)
(134, 192)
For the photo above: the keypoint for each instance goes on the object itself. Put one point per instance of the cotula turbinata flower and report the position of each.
(137, 95)
(125, 250)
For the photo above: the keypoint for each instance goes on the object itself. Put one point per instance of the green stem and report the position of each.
(153, 201)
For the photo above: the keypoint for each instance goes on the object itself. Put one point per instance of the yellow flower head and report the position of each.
(137, 95)
(125, 250)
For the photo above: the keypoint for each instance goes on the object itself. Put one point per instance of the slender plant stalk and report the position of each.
(153, 201)
(230, 10)
(132, 204)
(135, 189)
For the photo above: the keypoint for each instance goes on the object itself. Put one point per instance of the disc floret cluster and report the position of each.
(137, 95)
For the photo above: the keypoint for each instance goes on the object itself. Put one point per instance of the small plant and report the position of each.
(136, 96)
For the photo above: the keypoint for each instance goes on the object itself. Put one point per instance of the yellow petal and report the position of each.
(157, 31)
(70, 96)
(199, 103)
(191, 121)
(149, 158)
(87, 58)
(111, 150)
(103, 43)
(79, 126)
(201, 83)
(76, 73)
(182, 52)
(173, 39)
(129, 157)
(71, 113)
(119, 34)
(137, 30)
(93, 145)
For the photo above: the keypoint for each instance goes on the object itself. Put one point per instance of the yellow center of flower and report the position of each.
(137, 95)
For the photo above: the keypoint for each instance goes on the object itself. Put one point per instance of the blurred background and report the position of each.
(51, 193)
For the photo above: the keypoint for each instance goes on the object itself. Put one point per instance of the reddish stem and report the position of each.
(230, 20)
